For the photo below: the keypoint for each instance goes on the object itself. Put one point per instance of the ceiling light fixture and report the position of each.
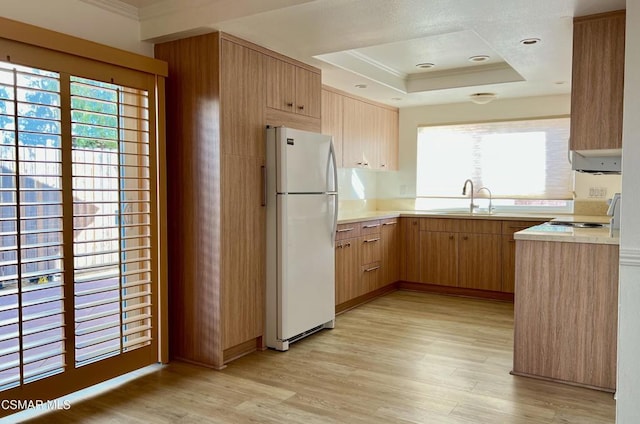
(479, 58)
(361, 85)
(425, 65)
(529, 41)
(482, 98)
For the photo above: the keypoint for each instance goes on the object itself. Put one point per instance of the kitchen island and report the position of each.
(566, 304)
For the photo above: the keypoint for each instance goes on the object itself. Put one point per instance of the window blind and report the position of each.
(515, 159)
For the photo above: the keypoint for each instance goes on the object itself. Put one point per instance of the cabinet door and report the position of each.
(439, 258)
(370, 246)
(410, 249)
(371, 133)
(352, 130)
(241, 102)
(308, 96)
(347, 270)
(597, 82)
(480, 261)
(508, 264)
(332, 121)
(389, 144)
(243, 241)
(281, 84)
(390, 236)
(371, 278)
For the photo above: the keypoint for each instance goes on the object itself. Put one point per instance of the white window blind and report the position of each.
(31, 231)
(112, 219)
(514, 159)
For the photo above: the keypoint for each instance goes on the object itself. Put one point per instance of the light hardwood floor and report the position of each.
(403, 358)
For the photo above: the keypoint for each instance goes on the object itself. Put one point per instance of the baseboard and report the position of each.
(242, 349)
(455, 291)
(570, 383)
(368, 297)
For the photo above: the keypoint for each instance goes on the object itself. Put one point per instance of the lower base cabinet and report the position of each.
(566, 316)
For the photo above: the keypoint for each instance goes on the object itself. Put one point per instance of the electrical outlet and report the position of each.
(597, 192)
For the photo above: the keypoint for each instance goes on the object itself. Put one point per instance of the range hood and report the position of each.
(597, 161)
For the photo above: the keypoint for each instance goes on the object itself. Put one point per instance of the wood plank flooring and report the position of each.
(403, 358)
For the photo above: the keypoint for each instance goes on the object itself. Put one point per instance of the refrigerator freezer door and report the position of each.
(305, 162)
(306, 287)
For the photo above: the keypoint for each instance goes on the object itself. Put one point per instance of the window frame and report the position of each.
(35, 47)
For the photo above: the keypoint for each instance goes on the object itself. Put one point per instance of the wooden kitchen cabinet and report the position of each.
(216, 117)
(566, 309)
(463, 253)
(509, 251)
(597, 83)
(439, 253)
(390, 236)
(332, 121)
(480, 261)
(410, 249)
(293, 89)
(347, 269)
(369, 131)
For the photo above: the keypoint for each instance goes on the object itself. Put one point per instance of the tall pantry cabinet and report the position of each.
(217, 111)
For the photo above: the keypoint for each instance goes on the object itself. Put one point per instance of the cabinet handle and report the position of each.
(372, 269)
(371, 226)
(450, 237)
(465, 238)
(390, 223)
(344, 230)
(382, 165)
(366, 164)
(301, 107)
(339, 246)
(289, 104)
(358, 163)
(372, 240)
(348, 244)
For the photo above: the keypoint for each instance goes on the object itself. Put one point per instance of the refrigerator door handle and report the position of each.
(334, 226)
(332, 171)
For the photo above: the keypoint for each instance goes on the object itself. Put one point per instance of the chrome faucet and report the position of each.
(464, 193)
(490, 209)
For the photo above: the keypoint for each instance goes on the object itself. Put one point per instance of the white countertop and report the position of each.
(560, 233)
(347, 218)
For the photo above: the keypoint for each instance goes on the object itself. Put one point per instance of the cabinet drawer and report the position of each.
(370, 248)
(389, 222)
(510, 227)
(369, 227)
(371, 276)
(455, 225)
(440, 224)
(345, 231)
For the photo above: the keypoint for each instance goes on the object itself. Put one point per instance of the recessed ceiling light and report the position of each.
(482, 98)
(361, 85)
(479, 58)
(425, 65)
(529, 41)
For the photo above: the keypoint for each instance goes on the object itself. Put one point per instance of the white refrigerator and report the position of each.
(302, 211)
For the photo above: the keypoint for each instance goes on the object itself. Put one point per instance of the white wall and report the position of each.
(80, 19)
(628, 392)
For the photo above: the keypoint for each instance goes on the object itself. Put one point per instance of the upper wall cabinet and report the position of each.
(291, 88)
(597, 81)
(368, 132)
